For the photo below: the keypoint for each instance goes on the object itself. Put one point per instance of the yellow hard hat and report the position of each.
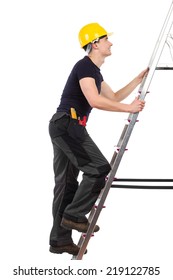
(91, 32)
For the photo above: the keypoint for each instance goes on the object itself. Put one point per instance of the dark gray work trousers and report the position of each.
(74, 151)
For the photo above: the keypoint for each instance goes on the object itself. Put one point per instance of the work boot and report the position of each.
(70, 249)
(81, 227)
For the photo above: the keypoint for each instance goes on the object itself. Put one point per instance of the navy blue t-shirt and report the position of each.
(72, 96)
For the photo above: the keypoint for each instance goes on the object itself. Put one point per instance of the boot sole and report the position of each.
(75, 226)
(61, 251)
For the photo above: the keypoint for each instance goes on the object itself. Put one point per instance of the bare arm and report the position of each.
(125, 91)
(107, 103)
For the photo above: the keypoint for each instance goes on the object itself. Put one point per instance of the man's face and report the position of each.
(105, 46)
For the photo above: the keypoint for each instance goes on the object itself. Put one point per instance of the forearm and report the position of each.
(125, 91)
(106, 104)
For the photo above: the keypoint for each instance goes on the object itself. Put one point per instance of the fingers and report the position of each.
(141, 105)
(142, 102)
(143, 73)
(146, 72)
(137, 105)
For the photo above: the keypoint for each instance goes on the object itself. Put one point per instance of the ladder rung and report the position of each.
(142, 180)
(164, 68)
(166, 180)
(141, 187)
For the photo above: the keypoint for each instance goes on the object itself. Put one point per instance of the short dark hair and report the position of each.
(86, 46)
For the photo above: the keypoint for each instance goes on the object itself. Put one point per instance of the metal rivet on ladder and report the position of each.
(95, 206)
(129, 120)
(119, 149)
(141, 92)
(113, 179)
(84, 235)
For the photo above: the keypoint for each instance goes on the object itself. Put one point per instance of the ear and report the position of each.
(95, 46)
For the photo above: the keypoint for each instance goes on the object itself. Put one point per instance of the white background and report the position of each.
(39, 46)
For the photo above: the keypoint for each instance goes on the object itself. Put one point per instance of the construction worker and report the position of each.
(74, 150)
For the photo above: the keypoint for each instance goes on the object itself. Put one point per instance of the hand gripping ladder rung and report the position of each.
(125, 136)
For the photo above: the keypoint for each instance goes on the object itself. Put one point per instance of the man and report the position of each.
(74, 150)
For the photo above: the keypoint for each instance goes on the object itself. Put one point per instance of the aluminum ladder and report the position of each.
(126, 133)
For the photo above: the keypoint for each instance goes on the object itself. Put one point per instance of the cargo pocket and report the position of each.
(58, 124)
(76, 131)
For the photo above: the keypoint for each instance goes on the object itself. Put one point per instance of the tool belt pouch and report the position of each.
(76, 131)
(58, 124)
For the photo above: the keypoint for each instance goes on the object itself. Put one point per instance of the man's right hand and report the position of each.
(137, 105)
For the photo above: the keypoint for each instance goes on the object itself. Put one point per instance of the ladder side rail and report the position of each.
(122, 135)
(144, 86)
(153, 64)
(165, 28)
(82, 242)
(156, 54)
